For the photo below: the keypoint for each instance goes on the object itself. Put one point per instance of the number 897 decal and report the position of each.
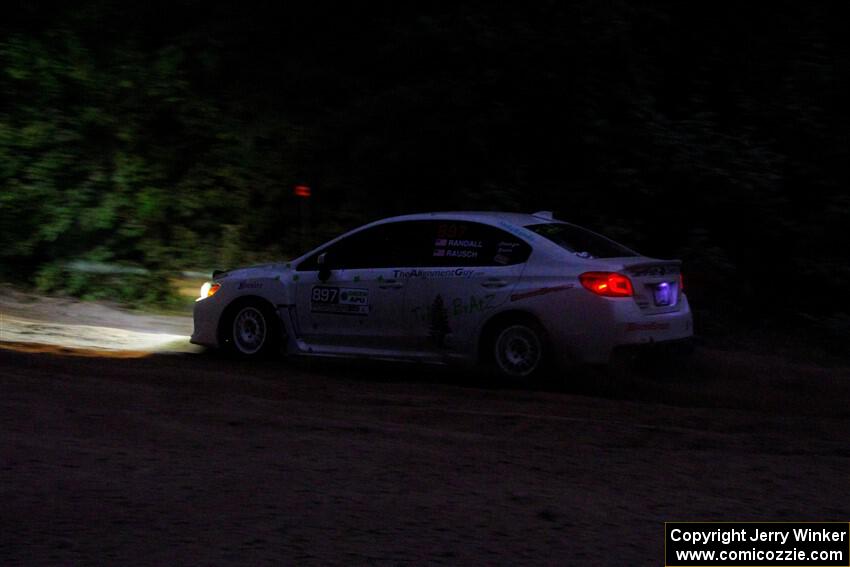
(339, 300)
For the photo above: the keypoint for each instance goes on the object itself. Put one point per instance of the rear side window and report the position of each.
(580, 241)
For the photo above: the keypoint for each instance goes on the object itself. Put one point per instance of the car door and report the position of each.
(354, 305)
(466, 272)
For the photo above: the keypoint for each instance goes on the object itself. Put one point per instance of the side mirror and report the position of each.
(324, 269)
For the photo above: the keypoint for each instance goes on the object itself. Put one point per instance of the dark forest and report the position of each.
(168, 137)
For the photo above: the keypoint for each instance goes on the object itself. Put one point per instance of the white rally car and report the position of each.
(514, 291)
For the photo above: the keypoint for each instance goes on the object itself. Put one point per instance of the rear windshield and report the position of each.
(580, 241)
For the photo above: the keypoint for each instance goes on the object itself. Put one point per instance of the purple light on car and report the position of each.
(662, 294)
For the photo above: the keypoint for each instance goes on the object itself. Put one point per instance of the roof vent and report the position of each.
(547, 215)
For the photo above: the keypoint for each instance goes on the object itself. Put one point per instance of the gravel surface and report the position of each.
(192, 459)
(70, 323)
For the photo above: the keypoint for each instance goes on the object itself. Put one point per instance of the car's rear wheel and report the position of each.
(251, 330)
(519, 350)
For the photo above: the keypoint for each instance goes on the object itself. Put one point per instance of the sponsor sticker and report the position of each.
(432, 274)
(339, 300)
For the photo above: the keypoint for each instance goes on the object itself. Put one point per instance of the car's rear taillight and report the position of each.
(681, 283)
(608, 284)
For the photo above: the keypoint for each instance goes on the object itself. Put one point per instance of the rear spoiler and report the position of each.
(654, 267)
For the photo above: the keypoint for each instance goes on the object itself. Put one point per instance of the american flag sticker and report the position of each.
(439, 252)
(440, 242)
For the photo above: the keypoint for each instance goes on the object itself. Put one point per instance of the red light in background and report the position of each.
(302, 191)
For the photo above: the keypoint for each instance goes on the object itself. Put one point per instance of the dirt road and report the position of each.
(65, 322)
(112, 452)
(191, 459)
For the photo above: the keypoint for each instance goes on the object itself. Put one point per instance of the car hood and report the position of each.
(258, 271)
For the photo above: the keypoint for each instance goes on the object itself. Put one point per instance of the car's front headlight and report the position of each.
(208, 290)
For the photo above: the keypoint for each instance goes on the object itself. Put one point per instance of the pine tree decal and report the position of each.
(439, 322)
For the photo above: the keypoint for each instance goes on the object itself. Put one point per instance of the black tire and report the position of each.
(250, 329)
(519, 350)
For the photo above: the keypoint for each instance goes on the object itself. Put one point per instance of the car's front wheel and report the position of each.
(251, 330)
(519, 350)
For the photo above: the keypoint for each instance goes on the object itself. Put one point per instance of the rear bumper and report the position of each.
(655, 329)
(594, 333)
